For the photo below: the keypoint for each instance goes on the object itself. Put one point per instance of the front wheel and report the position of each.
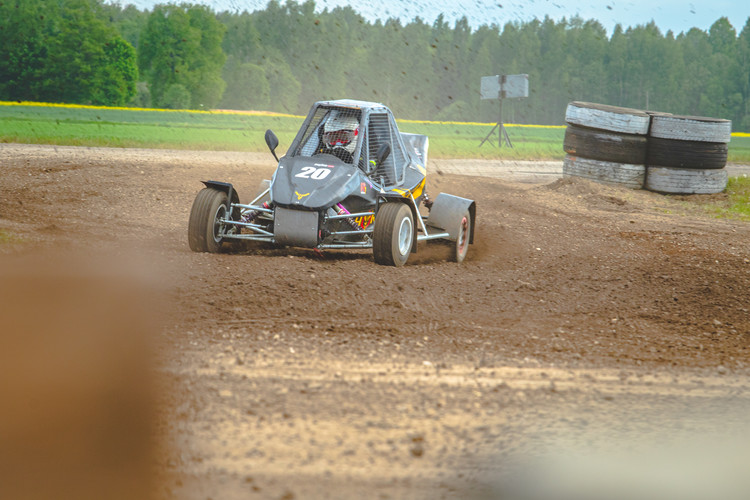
(393, 235)
(205, 231)
(462, 241)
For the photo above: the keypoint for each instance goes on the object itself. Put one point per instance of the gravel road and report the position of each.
(596, 340)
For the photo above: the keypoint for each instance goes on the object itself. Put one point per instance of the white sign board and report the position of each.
(515, 86)
(504, 86)
(491, 87)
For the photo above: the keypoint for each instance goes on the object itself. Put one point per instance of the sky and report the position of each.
(675, 15)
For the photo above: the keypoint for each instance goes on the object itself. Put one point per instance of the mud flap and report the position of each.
(226, 187)
(295, 228)
(232, 196)
(446, 213)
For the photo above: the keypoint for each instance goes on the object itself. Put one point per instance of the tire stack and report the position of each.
(646, 150)
(606, 144)
(687, 154)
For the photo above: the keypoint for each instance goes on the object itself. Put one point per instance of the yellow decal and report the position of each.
(416, 192)
(364, 221)
(300, 196)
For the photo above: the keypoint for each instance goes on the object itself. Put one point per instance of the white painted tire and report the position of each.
(682, 181)
(691, 128)
(605, 117)
(605, 172)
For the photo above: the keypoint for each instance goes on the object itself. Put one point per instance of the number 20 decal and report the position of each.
(314, 173)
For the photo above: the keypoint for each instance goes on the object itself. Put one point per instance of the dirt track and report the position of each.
(586, 320)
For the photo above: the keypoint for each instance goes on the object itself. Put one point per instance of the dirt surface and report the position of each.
(589, 326)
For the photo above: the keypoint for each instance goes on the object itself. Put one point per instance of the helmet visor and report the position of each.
(339, 137)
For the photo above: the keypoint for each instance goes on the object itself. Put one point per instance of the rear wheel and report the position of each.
(462, 241)
(393, 234)
(205, 232)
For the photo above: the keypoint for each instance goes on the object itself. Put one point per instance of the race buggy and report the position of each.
(349, 179)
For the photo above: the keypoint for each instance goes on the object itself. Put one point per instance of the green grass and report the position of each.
(141, 128)
(739, 149)
(737, 203)
(462, 140)
(122, 127)
(81, 126)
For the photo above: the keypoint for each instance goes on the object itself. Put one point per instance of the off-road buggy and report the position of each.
(348, 180)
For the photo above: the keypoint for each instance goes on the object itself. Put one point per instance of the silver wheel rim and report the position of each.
(404, 236)
(218, 226)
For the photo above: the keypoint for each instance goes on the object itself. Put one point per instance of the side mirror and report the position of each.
(384, 151)
(273, 142)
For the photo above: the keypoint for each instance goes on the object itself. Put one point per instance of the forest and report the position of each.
(288, 55)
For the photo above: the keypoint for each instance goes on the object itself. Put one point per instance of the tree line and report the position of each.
(288, 55)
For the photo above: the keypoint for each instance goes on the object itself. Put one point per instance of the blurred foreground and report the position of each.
(75, 379)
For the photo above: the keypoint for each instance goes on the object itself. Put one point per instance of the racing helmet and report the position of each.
(341, 131)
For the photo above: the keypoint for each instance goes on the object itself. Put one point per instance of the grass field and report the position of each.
(737, 204)
(236, 131)
(113, 127)
(462, 140)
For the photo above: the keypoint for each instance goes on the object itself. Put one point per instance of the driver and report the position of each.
(339, 136)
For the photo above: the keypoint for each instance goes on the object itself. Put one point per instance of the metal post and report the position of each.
(500, 124)
(507, 137)
(502, 134)
(488, 135)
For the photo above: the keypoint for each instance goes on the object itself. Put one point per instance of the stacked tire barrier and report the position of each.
(646, 150)
(687, 154)
(606, 144)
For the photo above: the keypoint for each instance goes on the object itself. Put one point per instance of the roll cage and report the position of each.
(376, 127)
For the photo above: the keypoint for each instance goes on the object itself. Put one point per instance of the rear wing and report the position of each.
(417, 146)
